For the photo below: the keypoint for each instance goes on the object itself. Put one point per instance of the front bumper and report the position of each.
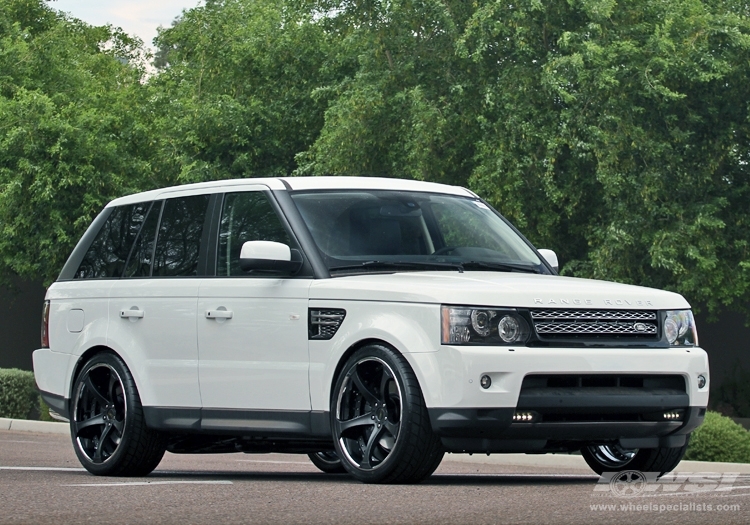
(622, 395)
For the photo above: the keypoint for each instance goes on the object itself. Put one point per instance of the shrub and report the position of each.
(19, 398)
(719, 439)
(44, 411)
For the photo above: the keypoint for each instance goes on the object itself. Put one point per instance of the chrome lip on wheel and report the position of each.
(613, 456)
(368, 413)
(100, 413)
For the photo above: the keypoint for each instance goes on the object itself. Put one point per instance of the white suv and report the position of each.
(371, 323)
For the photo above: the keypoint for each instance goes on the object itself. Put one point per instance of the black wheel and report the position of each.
(107, 425)
(382, 431)
(614, 458)
(327, 461)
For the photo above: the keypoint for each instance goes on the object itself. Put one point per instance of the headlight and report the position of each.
(467, 325)
(679, 328)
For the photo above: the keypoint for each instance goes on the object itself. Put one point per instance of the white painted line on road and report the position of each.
(49, 469)
(277, 462)
(511, 475)
(16, 441)
(146, 483)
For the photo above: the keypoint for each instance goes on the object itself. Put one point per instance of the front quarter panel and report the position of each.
(409, 328)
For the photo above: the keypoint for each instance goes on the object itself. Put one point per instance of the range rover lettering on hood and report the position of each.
(590, 302)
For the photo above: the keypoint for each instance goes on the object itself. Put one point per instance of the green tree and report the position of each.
(406, 102)
(617, 133)
(233, 96)
(70, 134)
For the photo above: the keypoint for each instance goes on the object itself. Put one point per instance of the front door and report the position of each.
(252, 328)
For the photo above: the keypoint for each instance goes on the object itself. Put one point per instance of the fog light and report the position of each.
(485, 381)
(523, 417)
(672, 416)
(701, 381)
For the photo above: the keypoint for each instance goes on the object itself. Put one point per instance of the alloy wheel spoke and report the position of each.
(112, 385)
(386, 377)
(367, 452)
(93, 390)
(359, 421)
(105, 434)
(86, 423)
(392, 428)
(363, 389)
(119, 425)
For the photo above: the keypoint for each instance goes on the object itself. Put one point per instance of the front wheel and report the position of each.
(381, 427)
(107, 425)
(614, 458)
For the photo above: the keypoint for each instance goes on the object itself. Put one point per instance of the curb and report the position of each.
(43, 427)
(563, 461)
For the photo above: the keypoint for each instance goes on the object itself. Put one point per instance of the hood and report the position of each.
(494, 289)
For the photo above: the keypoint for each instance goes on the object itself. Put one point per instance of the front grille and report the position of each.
(323, 324)
(552, 323)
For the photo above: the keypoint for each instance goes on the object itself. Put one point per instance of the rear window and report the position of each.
(108, 254)
(180, 233)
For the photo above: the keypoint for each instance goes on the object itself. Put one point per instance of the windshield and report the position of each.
(361, 230)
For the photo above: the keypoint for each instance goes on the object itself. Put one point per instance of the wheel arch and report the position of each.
(347, 354)
(86, 356)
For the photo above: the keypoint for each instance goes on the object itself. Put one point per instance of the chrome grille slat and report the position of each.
(609, 315)
(582, 323)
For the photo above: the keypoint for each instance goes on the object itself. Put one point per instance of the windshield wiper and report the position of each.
(389, 265)
(503, 267)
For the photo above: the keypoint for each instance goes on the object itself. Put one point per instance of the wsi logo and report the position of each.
(632, 483)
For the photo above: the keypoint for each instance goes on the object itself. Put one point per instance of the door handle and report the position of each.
(219, 314)
(134, 312)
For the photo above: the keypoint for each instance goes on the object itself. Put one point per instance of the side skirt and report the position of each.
(280, 424)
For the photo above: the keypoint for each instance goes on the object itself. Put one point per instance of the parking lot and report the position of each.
(41, 481)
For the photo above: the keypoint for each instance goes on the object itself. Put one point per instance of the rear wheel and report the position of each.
(107, 425)
(382, 431)
(614, 458)
(327, 461)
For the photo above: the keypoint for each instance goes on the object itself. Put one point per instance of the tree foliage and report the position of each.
(71, 137)
(615, 132)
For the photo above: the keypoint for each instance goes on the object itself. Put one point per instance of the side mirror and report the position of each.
(551, 258)
(269, 256)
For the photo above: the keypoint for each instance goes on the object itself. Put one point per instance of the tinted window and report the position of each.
(179, 240)
(359, 226)
(108, 253)
(142, 254)
(246, 216)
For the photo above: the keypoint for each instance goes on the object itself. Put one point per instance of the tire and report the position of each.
(613, 458)
(381, 428)
(107, 425)
(328, 462)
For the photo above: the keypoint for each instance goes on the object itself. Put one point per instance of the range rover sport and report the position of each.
(373, 324)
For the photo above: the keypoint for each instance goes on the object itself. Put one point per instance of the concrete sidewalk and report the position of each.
(564, 461)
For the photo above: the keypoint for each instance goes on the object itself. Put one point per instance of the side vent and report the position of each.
(323, 324)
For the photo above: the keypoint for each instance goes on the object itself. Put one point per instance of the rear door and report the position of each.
(153, 307)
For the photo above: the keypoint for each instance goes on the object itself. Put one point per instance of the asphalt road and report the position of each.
(42, 482)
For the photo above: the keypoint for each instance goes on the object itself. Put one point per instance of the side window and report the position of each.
(142, 254)
(109, 252)
(179, 240)
(246, 216)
